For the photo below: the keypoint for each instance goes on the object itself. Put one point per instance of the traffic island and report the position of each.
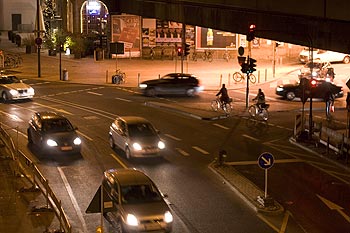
(246, 189)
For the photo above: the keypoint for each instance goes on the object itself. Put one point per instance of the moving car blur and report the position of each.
(172, 84)
(138, 205)
(12, 88)
(323, 55)
(136, 136)
(321, 88)
(53, 132)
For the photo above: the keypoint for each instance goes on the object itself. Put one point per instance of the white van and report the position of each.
(324, 56)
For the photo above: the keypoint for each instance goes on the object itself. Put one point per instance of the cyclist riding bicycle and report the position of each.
(224, 98)
(260, 98)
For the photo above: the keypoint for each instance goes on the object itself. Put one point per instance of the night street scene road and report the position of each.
(108, 125)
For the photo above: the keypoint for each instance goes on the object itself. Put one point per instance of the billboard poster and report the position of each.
(126, 29)
(211, 38)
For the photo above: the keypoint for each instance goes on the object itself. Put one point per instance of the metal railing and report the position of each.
(30, 171)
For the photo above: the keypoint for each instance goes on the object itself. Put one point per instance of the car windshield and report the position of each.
(133, 194)
(9, 80)
(57, 125)
(141, 129)
(169, 77)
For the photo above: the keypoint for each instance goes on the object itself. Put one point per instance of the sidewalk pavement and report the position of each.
(89, 71)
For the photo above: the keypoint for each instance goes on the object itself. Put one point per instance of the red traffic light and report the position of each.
(313, 83)
(252, 27)
(179, 51)
(251, 32)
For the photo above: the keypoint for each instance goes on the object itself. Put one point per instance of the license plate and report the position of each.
(66, 148)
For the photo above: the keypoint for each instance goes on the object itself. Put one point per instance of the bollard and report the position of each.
(222, 157)
(106, 76)
(138, 79)
(65, 75)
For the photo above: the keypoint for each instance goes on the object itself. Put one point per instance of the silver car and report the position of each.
(12, 88)
(136, 136)
(133, 203)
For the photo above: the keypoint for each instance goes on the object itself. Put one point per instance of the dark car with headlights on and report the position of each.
(53, 132)
(136, 136)
(319, 90)
(135, 203)
(172, 84)
(12, 88)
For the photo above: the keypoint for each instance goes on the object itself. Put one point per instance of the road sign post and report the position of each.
(265, 161)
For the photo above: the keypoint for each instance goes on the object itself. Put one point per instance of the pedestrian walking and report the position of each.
(329, 99)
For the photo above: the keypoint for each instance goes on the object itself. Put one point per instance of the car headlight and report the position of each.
(77, 141)
(136, 146)
(168, 217)
(131, 220)
(51, 143)
(161, 145)
(143, 86)
(31, 91)
(13, 92)
(280, 89)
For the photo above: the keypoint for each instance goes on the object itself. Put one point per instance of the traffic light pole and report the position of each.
(183, 45)
(247, 89)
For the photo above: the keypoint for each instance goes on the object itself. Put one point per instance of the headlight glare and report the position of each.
(131, 220)
(13, 92)
(77, 141)
(161, 145)
(51, 143)
(137, 146)
(143, 86)
(168, 217)
(279, 88)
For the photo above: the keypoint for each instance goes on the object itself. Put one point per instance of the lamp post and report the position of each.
(38, 34)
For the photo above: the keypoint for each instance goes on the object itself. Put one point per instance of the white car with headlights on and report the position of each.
(52, 132)
(134, 203)
(136, 136)
(12, 88)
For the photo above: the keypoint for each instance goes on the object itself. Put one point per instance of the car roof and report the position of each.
(133, 119)
(49, 115)
(180, 75)
(129, 176)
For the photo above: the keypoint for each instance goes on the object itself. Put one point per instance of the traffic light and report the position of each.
(244, 68)
(313, 83)
(251, 32)
(187, 49)
(179, 51)
(251, 65)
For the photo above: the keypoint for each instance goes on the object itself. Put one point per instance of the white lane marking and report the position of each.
(221, 126)
(85, 136)
(73, 199)
(94, 93)
(126, 100)
(55, 109)
(12, 116)
(200, 150)
(184, 153)
(173, 137)
(250, 137)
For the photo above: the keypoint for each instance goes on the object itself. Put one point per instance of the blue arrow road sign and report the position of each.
(265, 160)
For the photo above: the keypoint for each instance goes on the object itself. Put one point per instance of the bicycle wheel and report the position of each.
(210, 57)
(264, 115)
(252, 110)
(227, 108)
(252, 78)
(237, 77)
(215, 105)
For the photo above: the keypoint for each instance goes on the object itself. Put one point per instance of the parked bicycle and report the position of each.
(194, 55)
(239, 77)
(259, 113)
(119, 77)
(227, 55)
(208, 55)
(12, 60)
(152, 53)
(217, 104)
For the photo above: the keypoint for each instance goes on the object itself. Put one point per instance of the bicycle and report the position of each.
(208, 55)
(259, 113)
(238, 77)
(152, 53)
(119, 77)
(217, 104)
(227, 55)
(194, 56)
